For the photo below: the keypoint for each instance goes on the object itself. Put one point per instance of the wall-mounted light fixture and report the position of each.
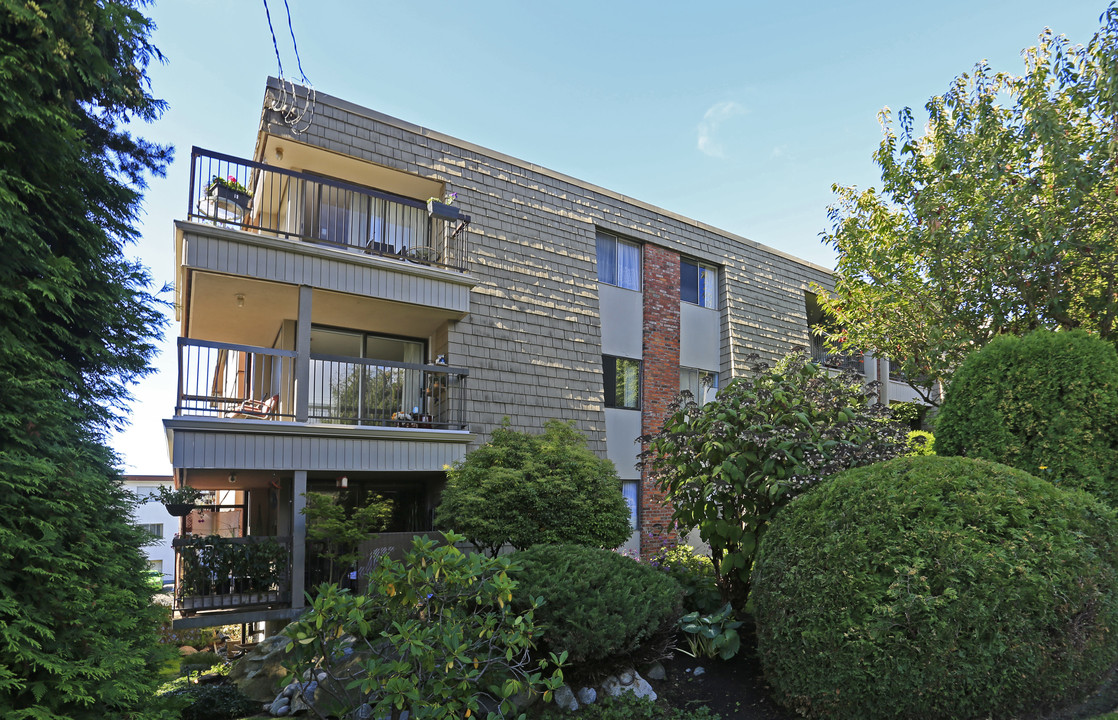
(240, 299)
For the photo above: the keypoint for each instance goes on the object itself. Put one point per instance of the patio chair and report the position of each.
(258, 409)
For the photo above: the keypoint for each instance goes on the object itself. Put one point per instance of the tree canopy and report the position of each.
(998, 219)
(77, 324)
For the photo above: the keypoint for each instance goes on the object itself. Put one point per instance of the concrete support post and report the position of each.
(298, 538)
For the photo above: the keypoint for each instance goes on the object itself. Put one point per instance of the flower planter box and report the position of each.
(229, 600)
(441, 210)
(228, 198)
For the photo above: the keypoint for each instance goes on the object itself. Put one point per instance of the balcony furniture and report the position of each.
(259, 409)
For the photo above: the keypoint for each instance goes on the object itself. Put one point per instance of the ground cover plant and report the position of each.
(937, 587)
(603, 609)
(729, 466)
(1046, 403)
(522, 489)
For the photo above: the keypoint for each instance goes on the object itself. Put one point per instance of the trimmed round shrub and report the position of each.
(214, 702)
(1045, 403)
(937, 587)
(603, 608)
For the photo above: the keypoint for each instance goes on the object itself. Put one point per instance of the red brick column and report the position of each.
(661, 381)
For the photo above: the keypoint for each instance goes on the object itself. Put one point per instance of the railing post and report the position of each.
(303, 355)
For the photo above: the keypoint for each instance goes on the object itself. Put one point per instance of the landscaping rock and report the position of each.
(613, 686)
(186, 650)
(565, 699)
(281, 707)
(587, 695)
(655, 671)
(699, 670)
(260, 672)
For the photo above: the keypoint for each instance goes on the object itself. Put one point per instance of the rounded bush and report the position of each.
(603, 608)
(937, 587)
(1045, 403)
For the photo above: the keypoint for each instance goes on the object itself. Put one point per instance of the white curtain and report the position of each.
(629, 266)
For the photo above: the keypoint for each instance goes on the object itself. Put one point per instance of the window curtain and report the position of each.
(708, 287)
(607, 259)
(629, 266)
(629, 489)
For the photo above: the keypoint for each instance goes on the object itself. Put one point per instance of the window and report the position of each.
(629, 489)
(619, 262)
(622, 382)
(348, 385)
(153, 529)
(698, 283)
(702, 384)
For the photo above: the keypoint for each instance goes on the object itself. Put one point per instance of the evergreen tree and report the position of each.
(77, 325)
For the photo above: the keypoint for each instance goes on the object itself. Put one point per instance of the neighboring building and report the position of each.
(154, 518)
(337, 330)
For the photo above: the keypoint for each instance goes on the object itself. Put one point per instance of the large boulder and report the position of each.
(260, 673)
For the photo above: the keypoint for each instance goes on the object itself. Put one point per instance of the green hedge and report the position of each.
(1045, 403)
(603, 608)
(937, 587)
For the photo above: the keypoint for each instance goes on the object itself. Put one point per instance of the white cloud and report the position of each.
(712, 119)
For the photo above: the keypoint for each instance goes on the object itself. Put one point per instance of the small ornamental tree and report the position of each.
(341, 531)
(521, 489)
(1045, 403)
(727, 467)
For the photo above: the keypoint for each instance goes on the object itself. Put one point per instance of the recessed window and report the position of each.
(702, 384)
(698, 283)
(619, 262)
(622, 382)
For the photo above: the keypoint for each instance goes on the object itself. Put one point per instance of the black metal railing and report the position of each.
(841, 360)
(235, 381)
(362, 391)
(239, 193)
(214, 573)
(243, 382)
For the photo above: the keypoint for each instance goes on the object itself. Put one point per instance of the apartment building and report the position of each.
(361, 303)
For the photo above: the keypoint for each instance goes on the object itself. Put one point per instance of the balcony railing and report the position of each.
(214, 573)
(235, 381)
(842, 360)
(318, 209)
(361, 391)
(225, 380)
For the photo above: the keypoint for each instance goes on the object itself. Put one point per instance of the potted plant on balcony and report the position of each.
(229, 191)
(178, 501)
(444, 209)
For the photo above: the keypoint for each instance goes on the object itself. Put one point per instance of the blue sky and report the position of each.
(738, 114)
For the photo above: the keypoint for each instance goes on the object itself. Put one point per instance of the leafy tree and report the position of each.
(521, 489)
(340, 530)
(729, 466)
(77, 627)
(998, 220)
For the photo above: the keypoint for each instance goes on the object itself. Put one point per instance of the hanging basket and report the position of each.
(179, 509)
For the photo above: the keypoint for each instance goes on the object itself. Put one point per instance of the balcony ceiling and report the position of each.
(217, 311)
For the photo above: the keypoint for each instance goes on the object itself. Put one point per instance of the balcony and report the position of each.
(223, 573)
(841, 361)
(242, 382)
(278, 202)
